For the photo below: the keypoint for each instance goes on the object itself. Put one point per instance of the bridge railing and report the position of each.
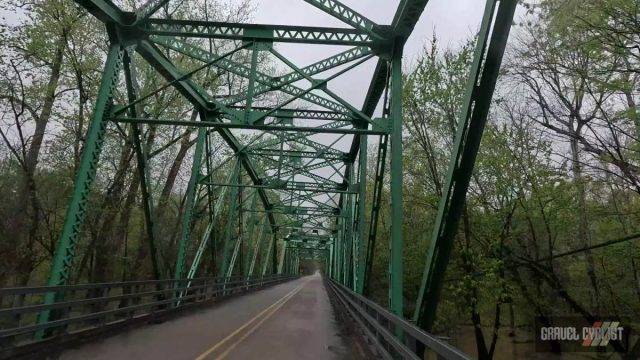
(385, 330)
(83, 307)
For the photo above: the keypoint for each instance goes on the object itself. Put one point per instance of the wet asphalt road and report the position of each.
(293, 320)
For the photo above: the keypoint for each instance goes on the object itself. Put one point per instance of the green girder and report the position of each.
(472, 119)
(190, 203)
(142, 158)
(250, 32)
(312, 199)
(347, 15)
(148, 9)
(227, 246)
(241, 70)
(76, 211)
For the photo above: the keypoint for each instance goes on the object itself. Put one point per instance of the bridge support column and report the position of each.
(362, 200)
(267, 257)
(283, 256)
(396, 246)
(76, 211)
(375, 211)
(142, 156)
(190, 203)
(214, 213)
(349, 234)
(262, 235)
(233, 210)
(237, 247)
(472, 119)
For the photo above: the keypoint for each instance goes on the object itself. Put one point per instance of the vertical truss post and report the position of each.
(290, 261)
(343, 242)
(362, 192)
(252, 80)
(328, 258)
(343, 246)
(251, 224)
(349, 244)
(76, 211)
(262, 235)
(267, 257)
(190, 203)
(396, 246)
(274, 253)
(215, 211)
(237, 249)
(330, 261)
(141, 157)
(344, 265)
(231, 218)
(338, 256)
(286, 269)
(472, 119)
(338, 251)
(207, 162)
(375, 211)
(283, 256)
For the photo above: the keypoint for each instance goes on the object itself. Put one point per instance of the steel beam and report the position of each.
(265, 127)
(190, 204)
(206, 238)
(227, 248)
(143, 169)
(263, 32)
(472, 119)
(347, 15)
(375, 212)
(360, 248)
(396, 246)
(262, 235)
(244, 71)
(76, 211)
(148, 9)
(266, 260)
(107, 12)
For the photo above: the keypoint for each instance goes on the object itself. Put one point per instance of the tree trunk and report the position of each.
(163, 201)
(106, 244)
(583, 221)
(27, 217)
(47, 106)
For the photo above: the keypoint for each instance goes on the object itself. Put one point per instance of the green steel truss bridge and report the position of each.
(296, 172)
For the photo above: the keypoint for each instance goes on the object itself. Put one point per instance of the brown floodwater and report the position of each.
(520, 346)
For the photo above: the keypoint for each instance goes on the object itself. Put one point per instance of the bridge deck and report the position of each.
(293, 320)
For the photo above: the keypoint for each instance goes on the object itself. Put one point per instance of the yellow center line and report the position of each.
(257, 325)
(275, 306)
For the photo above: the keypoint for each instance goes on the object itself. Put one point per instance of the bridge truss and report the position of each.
(302, 190)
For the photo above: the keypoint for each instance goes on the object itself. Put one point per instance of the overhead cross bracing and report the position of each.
(293, 172)
(286, 125)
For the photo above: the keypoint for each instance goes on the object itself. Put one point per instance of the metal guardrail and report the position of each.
(381, 326)
(85, 307)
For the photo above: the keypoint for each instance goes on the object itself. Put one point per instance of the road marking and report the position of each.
(282, 300)
(257, 325)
